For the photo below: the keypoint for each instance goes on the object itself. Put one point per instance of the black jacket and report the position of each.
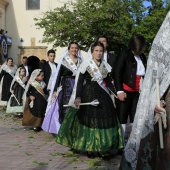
(111, 58)
(125, 69)
(47, 72)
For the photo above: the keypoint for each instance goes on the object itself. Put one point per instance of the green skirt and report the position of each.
(77, 136)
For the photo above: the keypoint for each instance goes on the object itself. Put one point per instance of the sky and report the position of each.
(146, 3)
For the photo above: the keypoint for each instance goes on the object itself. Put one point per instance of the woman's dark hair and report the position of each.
(137, 43)
(22, 68)
(40, 72)
(73, 42)
(95, 44)
(9, 59)
(102, 36)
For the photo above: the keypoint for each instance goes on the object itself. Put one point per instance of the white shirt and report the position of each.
(53, 67)
(105, 56)
(26, 68)
(140, 67)
(53, 71)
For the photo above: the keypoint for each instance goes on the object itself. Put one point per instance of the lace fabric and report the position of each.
(144, 118)
(34, 75)
(10, 70)
(61, 62)
(104, 69)
(18, 79)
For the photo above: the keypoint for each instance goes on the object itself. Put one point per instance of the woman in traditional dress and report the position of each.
(143, 148)
(62, 87)
(7, 72)
(35, 101)
(15, 104)
(92, 128)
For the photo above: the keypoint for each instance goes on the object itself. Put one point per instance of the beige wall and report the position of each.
(3, 4)
(20, 24)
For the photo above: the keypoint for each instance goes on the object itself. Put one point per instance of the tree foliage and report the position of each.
(84, 20)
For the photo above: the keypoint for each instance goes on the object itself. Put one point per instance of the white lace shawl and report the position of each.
(82, 69)
(10, 70)
(34, 75)
(18, 79)
(61, 62)
(144, 118)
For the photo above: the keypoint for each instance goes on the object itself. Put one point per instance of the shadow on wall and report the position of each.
(33, 61)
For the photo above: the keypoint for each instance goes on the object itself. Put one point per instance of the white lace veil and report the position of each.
(5, 67)
(66, 52)
(34, 75)
(24, 79)
(144, 118)
(82, 69)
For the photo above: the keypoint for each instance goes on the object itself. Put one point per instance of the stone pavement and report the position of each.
(23, 149)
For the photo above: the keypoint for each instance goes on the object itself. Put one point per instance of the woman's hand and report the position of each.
(54, 95)
(121, 96)
(159, 109)
(77, 102)
(32, 98)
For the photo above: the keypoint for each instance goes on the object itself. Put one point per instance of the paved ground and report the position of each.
(23, 149)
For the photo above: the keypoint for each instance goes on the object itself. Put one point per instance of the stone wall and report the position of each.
(38, 51)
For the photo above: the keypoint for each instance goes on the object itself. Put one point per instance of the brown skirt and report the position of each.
(29, 119)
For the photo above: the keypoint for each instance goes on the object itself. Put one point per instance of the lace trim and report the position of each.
(144, 117)
(67, 65)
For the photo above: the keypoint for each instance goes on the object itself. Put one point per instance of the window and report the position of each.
(32, 4)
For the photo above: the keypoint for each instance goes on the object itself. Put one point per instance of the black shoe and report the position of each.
(19, 115)
(90, 155)
(74, 151)
(104, 156)
(37, 129)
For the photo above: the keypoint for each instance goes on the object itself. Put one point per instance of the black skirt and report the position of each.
(102, 116)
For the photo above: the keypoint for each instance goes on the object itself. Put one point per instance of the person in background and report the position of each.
(62, 87)
(28, 70)
(7, 72)
(15, 103)
(42, 62)
(108, 56)
(129, 72)
(34, 101)
(49, 69)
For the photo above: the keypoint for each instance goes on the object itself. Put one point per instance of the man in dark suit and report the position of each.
(24, 65)
(49, 68)
(110, 58)
(129, 72)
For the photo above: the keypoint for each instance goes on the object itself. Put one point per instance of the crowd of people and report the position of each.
(87, 102)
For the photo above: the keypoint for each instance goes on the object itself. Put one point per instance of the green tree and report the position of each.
(84, 20)
(150, 24)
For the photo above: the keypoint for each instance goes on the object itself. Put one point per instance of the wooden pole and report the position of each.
(158, 104)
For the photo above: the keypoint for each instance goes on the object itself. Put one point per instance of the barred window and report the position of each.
(32, 4)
